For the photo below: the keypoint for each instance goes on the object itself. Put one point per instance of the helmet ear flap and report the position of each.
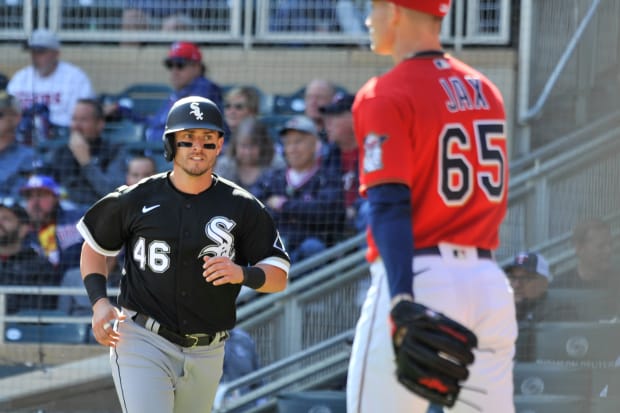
(168, 146)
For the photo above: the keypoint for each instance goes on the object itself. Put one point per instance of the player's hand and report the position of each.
(80, 148)
(433, 352)
(104, 316)
(221, 270)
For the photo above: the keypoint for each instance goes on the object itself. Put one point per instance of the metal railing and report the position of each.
(536, 109)
(246, 22)
(568, 60)
(293, 328)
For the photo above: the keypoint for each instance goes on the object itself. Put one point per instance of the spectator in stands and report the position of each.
(17, 160)
(50, 81)
(249, 156)
(53, 231)
(21, 264)
(529, 278)
(593, 247)
(305, 199)
(240, 359)
(350, 15)
(177, 22)
(318, 92)
(146, 14)
(240, 103)
(307, 16)
(343, 156)
(139, 167)
(187, 77)
(88, 166)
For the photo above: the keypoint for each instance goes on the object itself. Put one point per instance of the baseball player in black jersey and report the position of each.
(191, 240)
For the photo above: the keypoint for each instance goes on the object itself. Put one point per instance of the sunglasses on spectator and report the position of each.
(175, 64)
(236, 106)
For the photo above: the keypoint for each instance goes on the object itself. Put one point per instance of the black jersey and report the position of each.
(166, 233)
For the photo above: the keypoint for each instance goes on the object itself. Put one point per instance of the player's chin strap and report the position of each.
(190, 144)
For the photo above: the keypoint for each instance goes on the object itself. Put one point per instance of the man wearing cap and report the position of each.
(54, 235)
(187, 78)
(50, 81)
(305, 199)
(17, 159)
(53, 227)
(529, 277)
(20, 264)
(343, 154)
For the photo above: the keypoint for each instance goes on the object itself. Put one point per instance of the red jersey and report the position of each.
(437, 125)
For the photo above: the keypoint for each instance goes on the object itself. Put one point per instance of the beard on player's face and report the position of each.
(195, 168)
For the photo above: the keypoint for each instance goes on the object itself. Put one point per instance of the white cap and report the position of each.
(44, 39)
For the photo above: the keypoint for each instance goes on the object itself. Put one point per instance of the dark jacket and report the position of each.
(85, 185)
(314, 209)
(542, 309)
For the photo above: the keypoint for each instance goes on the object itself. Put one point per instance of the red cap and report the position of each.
(437, 8)
(185, 50)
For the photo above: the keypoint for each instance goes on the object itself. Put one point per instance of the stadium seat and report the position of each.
(550, 404)
(57, 333)
(312, 401)
(7, 370)
(540, 379)
(123, 131)
(592, 344)
(146, 98)
(585, 304)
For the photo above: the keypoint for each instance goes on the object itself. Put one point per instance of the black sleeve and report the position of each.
(261, 240)
(102, 225)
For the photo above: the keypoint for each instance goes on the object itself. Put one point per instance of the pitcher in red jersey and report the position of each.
(434, 167)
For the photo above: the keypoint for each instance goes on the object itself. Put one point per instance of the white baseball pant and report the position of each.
(471, 290)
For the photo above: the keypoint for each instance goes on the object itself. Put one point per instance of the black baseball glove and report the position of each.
(432, 352)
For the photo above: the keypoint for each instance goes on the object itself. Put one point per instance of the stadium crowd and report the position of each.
(299, 160)
(64, 145)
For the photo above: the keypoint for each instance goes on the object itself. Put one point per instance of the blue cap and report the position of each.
(340, 104)
(531, 262)
(40, 182)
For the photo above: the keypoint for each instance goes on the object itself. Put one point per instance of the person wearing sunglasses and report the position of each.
(529, 277)
(187, 74)
(240, 103)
